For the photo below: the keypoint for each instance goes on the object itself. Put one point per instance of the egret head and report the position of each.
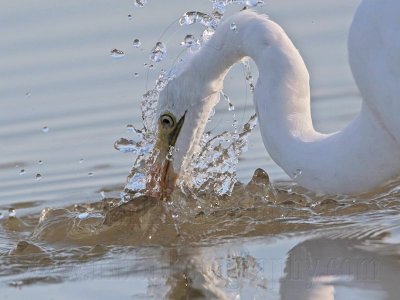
(183, 110)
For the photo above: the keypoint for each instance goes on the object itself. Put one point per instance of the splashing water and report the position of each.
(220, 5)
(213, 168)
(193, 17)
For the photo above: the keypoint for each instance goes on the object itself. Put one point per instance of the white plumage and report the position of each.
(362, 156)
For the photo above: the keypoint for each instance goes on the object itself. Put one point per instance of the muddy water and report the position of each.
(65, 100)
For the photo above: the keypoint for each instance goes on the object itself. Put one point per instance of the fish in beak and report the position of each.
(162, 175)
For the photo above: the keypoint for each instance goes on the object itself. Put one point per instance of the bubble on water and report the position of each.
(38, 177)
(90, 174)
(81, 161)
(28, 94)
(130, 17)
(83, 215)
(12, 213)
(45, 129)
(159, 52)
(136, 43)
(115, 53)
(140, 3)
(233, 26)
(136, 74)
(22, 172)
(40, 162)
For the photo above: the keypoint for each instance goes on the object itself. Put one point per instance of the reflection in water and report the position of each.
(324, 268)
(214, 251)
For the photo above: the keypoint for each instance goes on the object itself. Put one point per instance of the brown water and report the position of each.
(71, 239)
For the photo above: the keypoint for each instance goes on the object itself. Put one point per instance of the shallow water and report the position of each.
(70, 238)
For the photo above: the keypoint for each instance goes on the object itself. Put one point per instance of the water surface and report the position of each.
(65, 100)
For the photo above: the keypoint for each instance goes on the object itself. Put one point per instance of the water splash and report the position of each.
(213, 169)
(143, 143)
(193, 17)
(220, 5)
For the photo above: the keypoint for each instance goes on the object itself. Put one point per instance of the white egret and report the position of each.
(362, 156)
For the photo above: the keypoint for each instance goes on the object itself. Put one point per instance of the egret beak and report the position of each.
(163, 175)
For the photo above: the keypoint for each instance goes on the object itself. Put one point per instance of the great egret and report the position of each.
(362, 156)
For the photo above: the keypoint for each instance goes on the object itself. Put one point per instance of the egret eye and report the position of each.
(167, 121)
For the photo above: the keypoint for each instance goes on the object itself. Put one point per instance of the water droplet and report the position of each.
(140, 3)
(207, 34)
(136, 43)
(297, 173)
(12, 213)
(136, 74)
(189, 41)
(45, 129)
(83, 215)
(149, 237)
(81, 161)
(130, 127)
(129, 16)
(159, 52)
(22, 172)
(115, 53)
(175, 216)
(40, 162)
(233, 26)
(103, 195)
(38, 177)
(28, 94)
(253, 3)
(90, 174)
(151, 67)
(192, 17)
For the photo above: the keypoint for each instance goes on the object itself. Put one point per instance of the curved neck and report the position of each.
(335, 163)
